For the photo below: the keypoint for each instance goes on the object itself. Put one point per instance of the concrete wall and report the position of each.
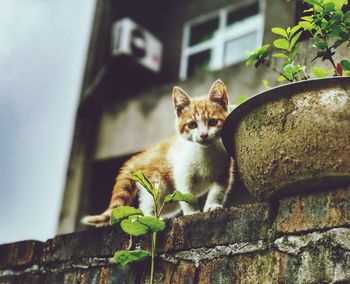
(304, 238)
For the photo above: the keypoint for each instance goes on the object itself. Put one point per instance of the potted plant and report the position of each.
(297, 136)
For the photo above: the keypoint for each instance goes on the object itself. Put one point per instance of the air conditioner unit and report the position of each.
(128, 38)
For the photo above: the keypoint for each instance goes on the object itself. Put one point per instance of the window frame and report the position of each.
(217, 44)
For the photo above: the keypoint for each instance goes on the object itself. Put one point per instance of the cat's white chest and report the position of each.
(196, 168)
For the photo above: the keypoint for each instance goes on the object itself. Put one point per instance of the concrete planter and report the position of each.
(292, 138)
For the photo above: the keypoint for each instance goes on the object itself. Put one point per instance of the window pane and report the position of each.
(246, 12)
(203, 31)
(199, 63)
(237, 49)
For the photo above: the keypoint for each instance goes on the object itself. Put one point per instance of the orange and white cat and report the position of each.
(194, 161)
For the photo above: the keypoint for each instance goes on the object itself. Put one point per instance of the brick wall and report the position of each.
(303, 238)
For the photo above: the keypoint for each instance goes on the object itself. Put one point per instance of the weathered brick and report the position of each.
(114, 274)
(252, 268)
(238, 224)
(317, 257)
(72, 277)
(53, 277)
(81, 276)
(164, 272)
(185, 272)
(23, 278)
(315, 264)
(316, 210)
(318, 264)
(243, 223)
(169, 273)
(94, 243)
(89, 275)
(20, 253)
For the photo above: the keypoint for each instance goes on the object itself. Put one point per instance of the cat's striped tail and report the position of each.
(124, 193)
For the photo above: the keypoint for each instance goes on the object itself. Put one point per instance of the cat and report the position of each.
(194, 161)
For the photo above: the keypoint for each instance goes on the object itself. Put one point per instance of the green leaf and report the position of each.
(324, 24)
(346, 15)
(313, 2)
(250, 60)
(308, 10)
(279, 31)
(317, 34)
(344, 35)
(178, 196)
(258, 54)
(307, 18)
(281, 43)
(336, 16)
(155, 224)
(336, 32)
(241, 99)
(288, 71)
(321, 45)
(317, 4)
(295, 50)
(295, 39)
(345, 65)
(266, 84)
(281, 78)
(134, 227)
(319, 72)
(280, 55)
(338, 4)
(294, 30)
(124, 257)
(264, 48)
(328, 7)
(144, 181)
(291, 71)
(123, 212)
(306, 25)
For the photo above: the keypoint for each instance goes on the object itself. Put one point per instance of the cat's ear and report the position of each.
(218, 94)
(181, 100)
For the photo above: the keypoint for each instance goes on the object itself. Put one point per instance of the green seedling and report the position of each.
(133, 222)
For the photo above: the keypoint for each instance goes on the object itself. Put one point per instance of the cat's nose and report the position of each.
(204, 136)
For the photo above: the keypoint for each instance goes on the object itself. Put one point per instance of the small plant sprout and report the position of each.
(329, 28)
(133, 222)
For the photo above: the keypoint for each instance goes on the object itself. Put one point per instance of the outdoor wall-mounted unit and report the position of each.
(128, 38)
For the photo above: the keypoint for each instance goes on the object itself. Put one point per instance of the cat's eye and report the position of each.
(212, 122)
(192, 124)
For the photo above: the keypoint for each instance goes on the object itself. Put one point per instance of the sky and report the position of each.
(43, 49)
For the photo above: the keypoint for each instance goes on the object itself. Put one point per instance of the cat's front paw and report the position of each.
(213, 207)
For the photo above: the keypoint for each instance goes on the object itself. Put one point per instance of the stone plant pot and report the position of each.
(292, 138)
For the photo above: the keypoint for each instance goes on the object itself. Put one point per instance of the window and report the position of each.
(221, 39)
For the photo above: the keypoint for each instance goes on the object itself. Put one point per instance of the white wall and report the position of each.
(43, 47)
